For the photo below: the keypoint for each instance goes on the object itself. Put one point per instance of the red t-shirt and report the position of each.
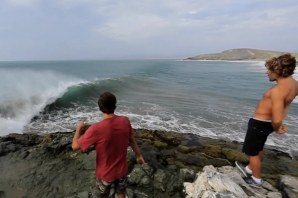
(111, 138)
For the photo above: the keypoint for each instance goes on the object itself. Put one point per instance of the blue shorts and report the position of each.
(256, 136)
(109, 189)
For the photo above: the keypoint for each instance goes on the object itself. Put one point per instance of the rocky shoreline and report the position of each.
(44, 165)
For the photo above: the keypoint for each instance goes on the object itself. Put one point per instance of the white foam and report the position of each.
(24, 93)
(156, 117)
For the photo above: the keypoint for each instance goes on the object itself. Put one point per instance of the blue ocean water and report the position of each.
(209, 98)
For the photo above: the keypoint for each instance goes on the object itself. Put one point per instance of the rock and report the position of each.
(184, 149)
(294, 154)
(141, 175)
(45, 166)
(234, 155)
(187, 174)
(225, 182)
(289, 186)
(212, 182)
(2, 194)
(160, 145)
(84, 194)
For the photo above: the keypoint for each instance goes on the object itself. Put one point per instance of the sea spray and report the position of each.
(25, 93)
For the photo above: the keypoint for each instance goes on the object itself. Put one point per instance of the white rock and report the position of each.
(289, 186)
(225, 182)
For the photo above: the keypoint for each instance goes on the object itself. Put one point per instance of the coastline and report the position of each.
(225, 60)
(45, 166)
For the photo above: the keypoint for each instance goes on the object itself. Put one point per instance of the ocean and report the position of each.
(209, 98)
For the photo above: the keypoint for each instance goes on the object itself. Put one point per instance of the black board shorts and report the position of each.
(256, 136)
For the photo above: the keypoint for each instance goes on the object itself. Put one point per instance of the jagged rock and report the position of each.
(225, 182)
(45, 166)
(289, 186)
(213, 182)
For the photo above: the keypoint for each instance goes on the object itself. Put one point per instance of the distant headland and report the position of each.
(240, 54)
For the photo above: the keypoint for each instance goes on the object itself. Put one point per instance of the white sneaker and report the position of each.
(250, 181)
(242, 169)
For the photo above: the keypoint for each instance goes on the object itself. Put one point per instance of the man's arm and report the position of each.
(278, 109)
(136, 149)
(75, 145)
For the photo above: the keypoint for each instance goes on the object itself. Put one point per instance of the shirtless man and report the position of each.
(269, 114)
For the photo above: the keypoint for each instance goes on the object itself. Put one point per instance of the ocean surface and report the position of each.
(208, 98)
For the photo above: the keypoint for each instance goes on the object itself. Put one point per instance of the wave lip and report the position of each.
(24, 93)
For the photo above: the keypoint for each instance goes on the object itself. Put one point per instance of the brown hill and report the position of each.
(240, 54)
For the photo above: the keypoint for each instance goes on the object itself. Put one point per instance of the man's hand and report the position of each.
(75, 145)
(282, 129)
(80, 124)
(140, 160)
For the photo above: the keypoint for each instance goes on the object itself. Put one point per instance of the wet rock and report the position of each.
(160, 145)
(184, 149)
(44, 165)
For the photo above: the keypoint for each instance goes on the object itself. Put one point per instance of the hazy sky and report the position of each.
(116, 29)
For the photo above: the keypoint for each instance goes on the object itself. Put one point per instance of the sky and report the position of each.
(143, 29)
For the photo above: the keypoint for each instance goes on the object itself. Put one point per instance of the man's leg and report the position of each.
(102, 189)
(121, 185)
(255, 164)
(120, 195)
(261, 156)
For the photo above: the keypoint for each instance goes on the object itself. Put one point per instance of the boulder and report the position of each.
(226, 182)
(289, 186)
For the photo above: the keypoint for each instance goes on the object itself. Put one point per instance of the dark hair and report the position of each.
(283, 65)
(107, 102)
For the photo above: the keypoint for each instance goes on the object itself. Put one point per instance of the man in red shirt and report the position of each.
(111, 138)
